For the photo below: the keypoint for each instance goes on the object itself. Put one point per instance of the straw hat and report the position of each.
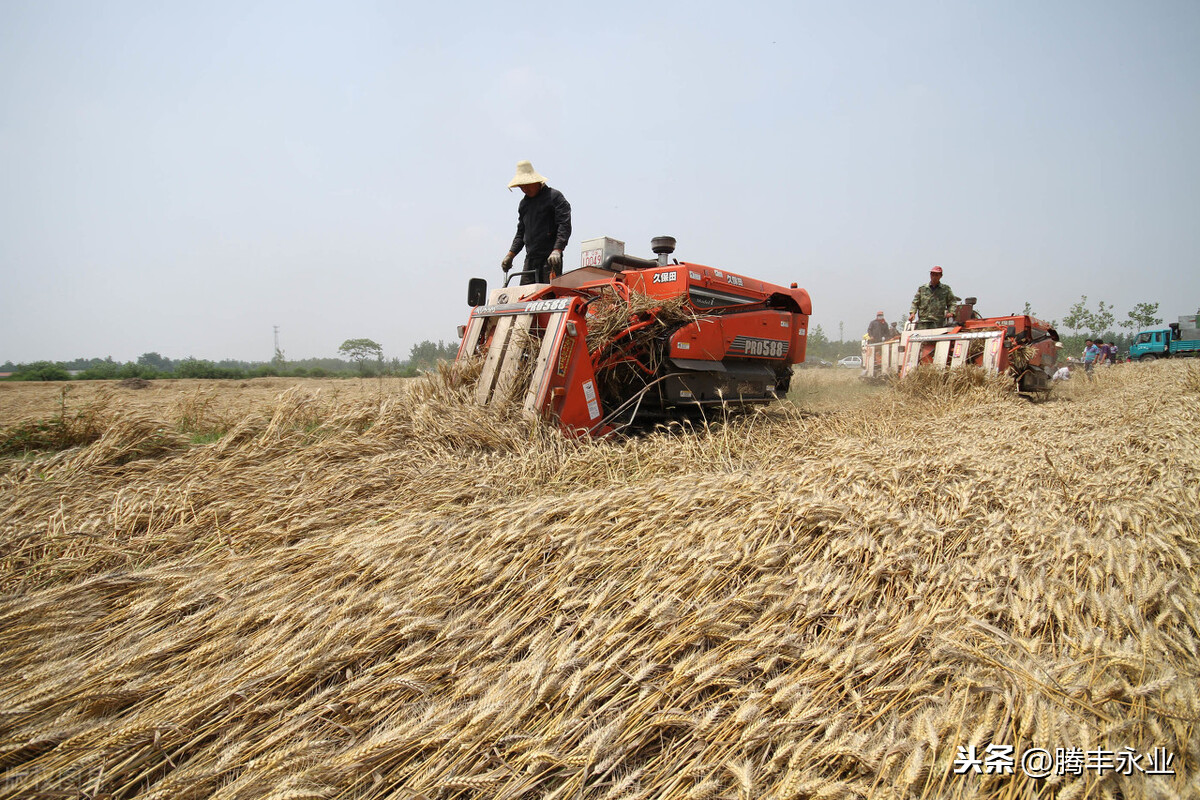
(525, 174)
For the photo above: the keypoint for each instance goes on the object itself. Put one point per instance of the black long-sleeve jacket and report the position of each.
(877, 330)
(543, 224)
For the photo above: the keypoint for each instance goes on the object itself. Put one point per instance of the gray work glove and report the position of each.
(554, 262)
(506, 262)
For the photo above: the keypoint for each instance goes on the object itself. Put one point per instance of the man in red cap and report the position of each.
(934, 303)
(877, 331)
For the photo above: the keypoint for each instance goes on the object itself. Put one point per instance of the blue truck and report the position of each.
(1176, 340)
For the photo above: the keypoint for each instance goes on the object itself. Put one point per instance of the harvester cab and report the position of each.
(1020, 345)
(624, 339)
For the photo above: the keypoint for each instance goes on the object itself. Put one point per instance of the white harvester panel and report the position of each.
(594, 252)
(520, 352)
(953, 349)
(937, 346)
(885, 359)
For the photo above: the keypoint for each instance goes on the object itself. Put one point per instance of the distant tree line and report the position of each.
(364, 357)
(1082, 323)
(360, 362)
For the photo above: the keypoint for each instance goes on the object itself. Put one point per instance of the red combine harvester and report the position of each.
(625, 339)
(1020, 345)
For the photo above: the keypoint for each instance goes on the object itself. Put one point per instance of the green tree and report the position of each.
(41, 371)
(1143, 315)
(359, 350)
(426, 354)
(1102, 319)
(198, 368)
(155, 361)
(1079, 317)
(1082, 318)
(820, 346)
(105, 370)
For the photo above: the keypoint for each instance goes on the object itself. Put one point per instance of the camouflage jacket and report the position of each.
(933, 304)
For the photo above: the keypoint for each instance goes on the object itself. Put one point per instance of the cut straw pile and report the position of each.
(610, 316)
(407, 596)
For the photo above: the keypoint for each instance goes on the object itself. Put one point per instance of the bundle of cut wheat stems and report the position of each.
(408, 596)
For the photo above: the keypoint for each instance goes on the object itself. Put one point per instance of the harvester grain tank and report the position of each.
(624, 339)
(1177, 340)
(1020, 345)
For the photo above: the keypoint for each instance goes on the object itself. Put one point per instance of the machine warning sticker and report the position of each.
(589, 394)
(665, 277)
(564, 355)
(761, 348)
(695, 275)
(683, 345)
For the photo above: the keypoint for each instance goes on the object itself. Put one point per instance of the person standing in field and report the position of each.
(1090, 353)
(877, 331)
(543, 226)
(934, 303)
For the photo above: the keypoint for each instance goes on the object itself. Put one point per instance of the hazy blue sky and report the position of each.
(180, 177)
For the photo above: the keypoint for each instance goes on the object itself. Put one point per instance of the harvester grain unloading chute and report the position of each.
(1022, 346)
(624, 339)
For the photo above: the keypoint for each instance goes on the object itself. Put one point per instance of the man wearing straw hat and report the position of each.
(543, 226)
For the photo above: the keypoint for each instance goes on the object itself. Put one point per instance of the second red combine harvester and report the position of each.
(624, 339)
(1024, 347)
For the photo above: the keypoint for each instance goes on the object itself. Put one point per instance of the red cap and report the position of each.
(936, 270)
(879, 313)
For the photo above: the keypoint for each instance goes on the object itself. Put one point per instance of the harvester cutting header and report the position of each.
(624, 339)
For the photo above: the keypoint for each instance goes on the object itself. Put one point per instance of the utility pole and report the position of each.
(841, 337)
(278, 357)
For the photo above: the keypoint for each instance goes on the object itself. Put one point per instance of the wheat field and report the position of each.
(291, 590)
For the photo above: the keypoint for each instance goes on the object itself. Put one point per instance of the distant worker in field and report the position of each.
(1091, 353)
(933, 303)
(543, 226)
(877, 331)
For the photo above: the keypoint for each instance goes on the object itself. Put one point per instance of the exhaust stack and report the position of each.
(663, 246)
